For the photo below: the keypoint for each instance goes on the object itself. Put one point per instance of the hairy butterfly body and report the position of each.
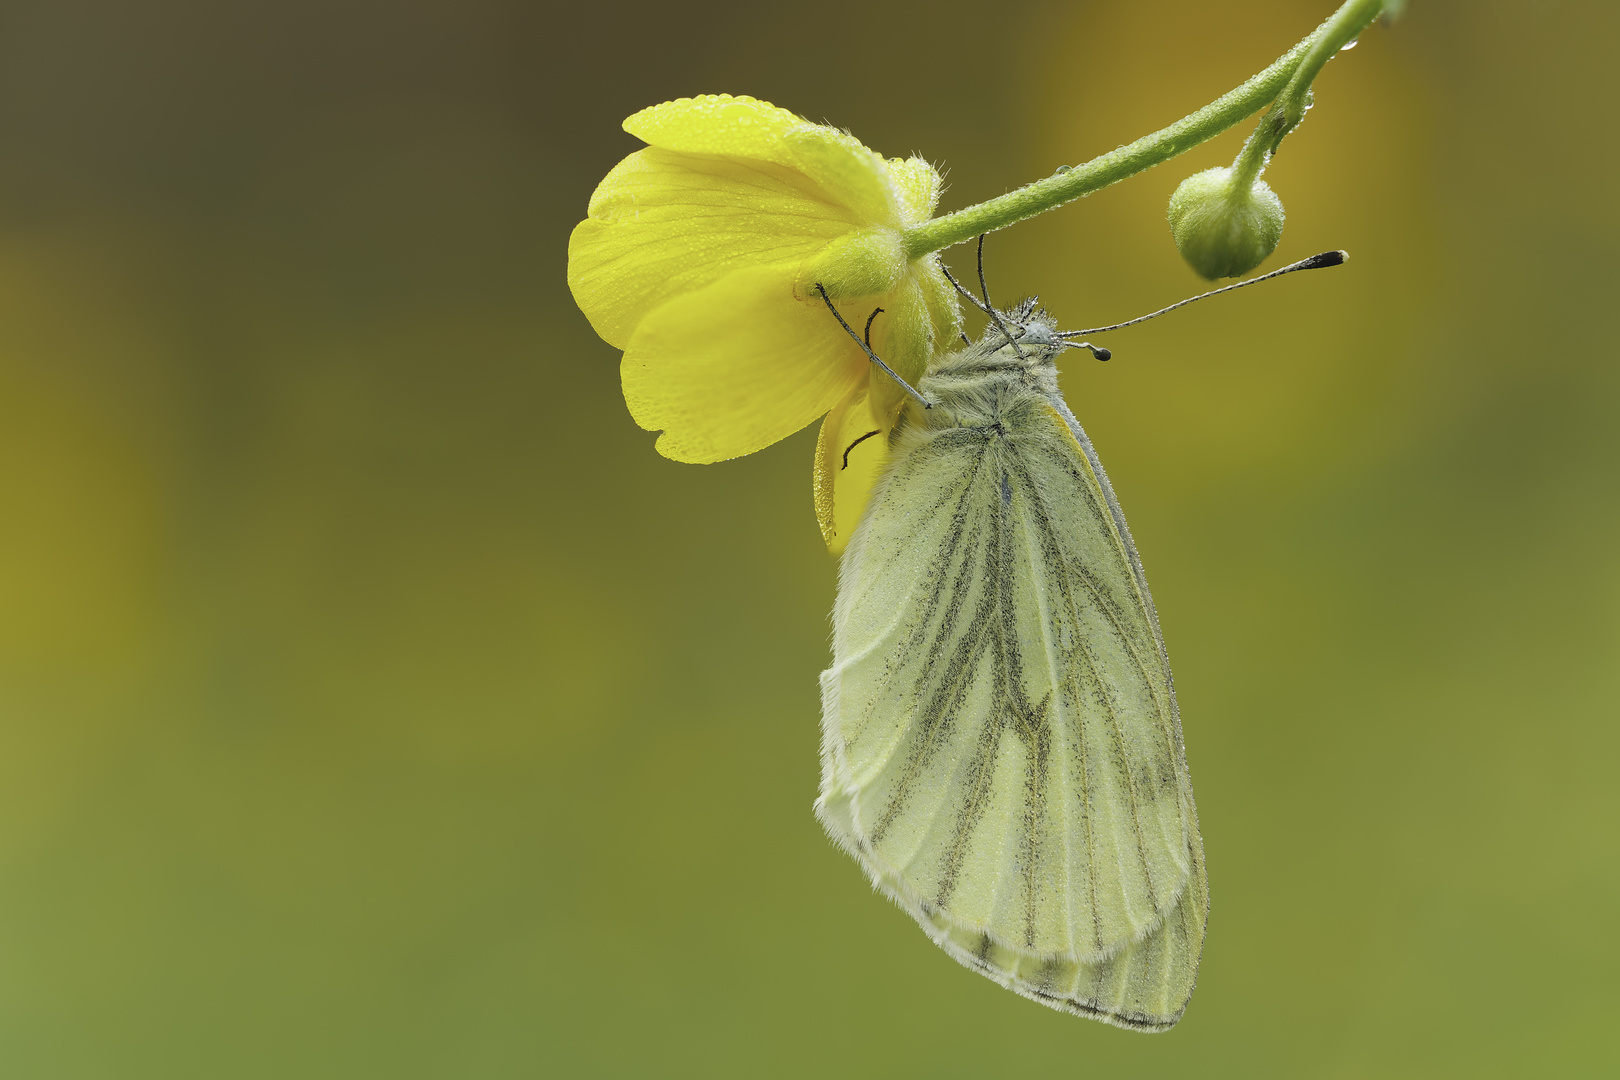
(1001, 749)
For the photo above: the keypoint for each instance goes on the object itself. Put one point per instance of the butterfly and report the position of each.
(1001, 747)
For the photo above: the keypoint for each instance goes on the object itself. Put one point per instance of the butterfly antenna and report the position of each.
(957, 285)
(1096, 350)
(989, 308)
(1315, 262)
(867, 348)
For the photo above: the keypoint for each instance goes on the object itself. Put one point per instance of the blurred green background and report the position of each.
(374, 701)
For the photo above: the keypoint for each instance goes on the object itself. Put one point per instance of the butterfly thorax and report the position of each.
(985, 384)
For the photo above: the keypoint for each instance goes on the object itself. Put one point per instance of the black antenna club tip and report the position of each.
(1103, 354)
(1327, 258)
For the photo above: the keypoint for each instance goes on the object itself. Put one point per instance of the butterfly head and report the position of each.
(1026, 337)
(1022, 341)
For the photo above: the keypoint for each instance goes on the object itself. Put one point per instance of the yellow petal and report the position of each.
(920, 319)
(939, 297)
(663, 223)
(721, 125)
(736, 366)
(902, 337)
(850, 456)
(848, 172)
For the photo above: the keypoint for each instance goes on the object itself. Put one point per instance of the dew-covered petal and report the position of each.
(664, 223)
(744, 128)
(736, 366)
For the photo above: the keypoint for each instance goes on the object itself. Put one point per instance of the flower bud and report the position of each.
(1220, 229)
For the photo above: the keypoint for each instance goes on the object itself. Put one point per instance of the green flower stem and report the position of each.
(1289, 75)
(1333, 35)
(1253, 158)
(1291, 105)
(1256, 153)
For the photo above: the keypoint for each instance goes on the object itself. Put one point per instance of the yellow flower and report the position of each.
(700, 259)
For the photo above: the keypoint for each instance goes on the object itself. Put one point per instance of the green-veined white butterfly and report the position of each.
(1001, 748)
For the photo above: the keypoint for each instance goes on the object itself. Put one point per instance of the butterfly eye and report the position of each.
(1037, 334)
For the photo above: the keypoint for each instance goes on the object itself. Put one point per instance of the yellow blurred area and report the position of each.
(375, 701)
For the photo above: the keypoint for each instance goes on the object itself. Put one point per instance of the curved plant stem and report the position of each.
(1330, 37)
(1288, 77)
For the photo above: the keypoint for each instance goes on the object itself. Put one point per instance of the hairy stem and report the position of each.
(1281, 79)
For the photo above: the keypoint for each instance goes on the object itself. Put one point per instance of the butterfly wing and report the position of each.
(1001, 747)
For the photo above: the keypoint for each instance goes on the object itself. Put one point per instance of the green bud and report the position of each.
(1221, 229)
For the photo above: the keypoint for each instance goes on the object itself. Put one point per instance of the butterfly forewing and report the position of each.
(1001, 747)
